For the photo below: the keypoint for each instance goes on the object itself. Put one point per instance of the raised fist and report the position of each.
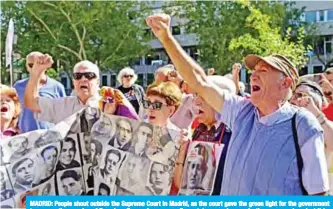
(41, 64)
(160, 25)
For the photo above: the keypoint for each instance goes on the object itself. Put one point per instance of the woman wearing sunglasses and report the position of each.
(133, 92)
(161, 102)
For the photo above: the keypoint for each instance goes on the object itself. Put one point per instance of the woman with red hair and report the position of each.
(10, 110)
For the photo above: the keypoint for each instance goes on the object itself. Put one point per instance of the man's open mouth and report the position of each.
(84, 87)
(255, 88)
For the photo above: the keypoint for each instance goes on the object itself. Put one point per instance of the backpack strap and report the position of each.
(298, 154)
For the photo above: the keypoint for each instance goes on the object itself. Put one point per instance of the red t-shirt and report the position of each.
(328, 111)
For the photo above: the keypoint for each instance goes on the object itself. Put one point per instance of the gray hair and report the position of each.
(124, 71)
(223, 83)
(91, 66)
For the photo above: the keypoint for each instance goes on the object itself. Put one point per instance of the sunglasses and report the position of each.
(30, 65)
(88, 75)
(128, 76)
(154, 105)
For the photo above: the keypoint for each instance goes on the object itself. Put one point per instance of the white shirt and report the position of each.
(55, 110)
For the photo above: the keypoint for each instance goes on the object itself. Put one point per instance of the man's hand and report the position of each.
(309, 104)
(236, 69)
(174, 77)
(160, 25)
(41, 64)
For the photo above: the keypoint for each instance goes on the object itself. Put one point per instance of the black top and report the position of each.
(130, 95)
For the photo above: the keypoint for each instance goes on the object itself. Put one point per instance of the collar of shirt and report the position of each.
(91, 102)
(284, 113)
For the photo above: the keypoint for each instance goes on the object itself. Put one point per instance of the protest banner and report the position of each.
(89, 153)
(200, 168)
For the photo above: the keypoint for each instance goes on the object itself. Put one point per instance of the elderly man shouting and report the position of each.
(270, 138)
(85, 79)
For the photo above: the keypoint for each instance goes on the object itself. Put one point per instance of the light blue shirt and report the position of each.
(27, 121)
(261, 158)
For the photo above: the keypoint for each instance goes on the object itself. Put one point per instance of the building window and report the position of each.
(321, 15)
(330, 15)
(175, 30)
(317, 69)
(104, 80)
(140, 79)
(311, 16)
(113, 80)
(303, 71)
(63, 81)
(150, 78)
(194, 53)
(328, 46)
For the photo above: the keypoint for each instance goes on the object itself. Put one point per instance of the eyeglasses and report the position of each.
(154, 105)
(128, 76)
(88, 75)
(298, 95)
(30, 65)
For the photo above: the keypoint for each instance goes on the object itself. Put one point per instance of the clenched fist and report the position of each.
(160, 25)
(41, 64)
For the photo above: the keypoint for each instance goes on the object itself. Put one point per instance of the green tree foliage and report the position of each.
(228, 31)
(107, 32)
(269, 40)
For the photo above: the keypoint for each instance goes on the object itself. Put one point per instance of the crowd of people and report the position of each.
(278, 139)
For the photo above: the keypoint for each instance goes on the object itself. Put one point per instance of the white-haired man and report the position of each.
(47, 87)
(275, 149)
(85, 80)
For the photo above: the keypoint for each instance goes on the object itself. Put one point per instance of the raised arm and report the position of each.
(31, 92)
(192, 73)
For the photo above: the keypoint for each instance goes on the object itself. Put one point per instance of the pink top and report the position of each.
(8, 133)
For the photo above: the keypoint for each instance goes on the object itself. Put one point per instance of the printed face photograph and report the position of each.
(103, 129)
(143, 137)
(23, 174)
(48, 137)
(96, 152)
(68, 153)
(159, 178)
(123, 135)
(195, 172)
(19, 146)
(70, 182)
(5, 187)
(49, 156)
(86, 151)
(163, 148)
(112, 161)
(199, 169)
(133, 173)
